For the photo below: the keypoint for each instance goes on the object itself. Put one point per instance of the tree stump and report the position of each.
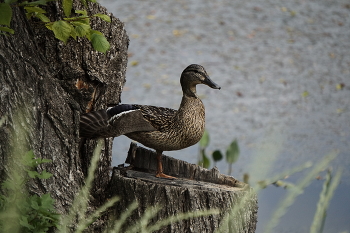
(195, 189)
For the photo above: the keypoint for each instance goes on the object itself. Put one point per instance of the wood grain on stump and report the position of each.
(195, 189)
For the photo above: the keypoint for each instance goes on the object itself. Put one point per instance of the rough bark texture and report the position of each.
(195, 189)
(37, 79)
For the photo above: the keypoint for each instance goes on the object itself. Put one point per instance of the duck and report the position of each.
(159, 128)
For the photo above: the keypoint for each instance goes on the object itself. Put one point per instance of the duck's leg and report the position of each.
(160, 167)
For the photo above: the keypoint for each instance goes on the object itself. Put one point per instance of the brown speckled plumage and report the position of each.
(175, 129)
(162, 129)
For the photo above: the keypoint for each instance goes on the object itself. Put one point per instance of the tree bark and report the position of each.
(37, 83)
(195, 188)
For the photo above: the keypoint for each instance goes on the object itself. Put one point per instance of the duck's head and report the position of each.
(193, 75)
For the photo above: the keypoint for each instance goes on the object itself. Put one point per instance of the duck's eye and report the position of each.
(196, 72)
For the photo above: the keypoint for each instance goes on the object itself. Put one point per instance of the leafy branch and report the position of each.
(78, 26)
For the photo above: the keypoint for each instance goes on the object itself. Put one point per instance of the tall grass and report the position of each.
(10, 218)
(297, 189)
(329, 186)
(79, 219)
(20, 211)
(78, 210)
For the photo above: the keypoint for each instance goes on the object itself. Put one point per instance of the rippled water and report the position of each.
(284, 71)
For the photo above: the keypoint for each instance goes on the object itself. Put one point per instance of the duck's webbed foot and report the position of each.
(162, 175)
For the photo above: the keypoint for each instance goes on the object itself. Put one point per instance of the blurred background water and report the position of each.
(284, 69)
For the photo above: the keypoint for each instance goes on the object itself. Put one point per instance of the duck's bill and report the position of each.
(211, 84)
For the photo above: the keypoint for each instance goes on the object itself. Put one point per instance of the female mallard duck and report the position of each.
(162, 129)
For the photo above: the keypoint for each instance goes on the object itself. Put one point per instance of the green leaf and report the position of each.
(47, 202)
(73, 34)
(82, 19)
(34, 203)
(24, 222)
(33, 174)
(40, 2)
(44, 175)
(34, 9)
(204, 142)
(46, 161)
(35, 3)
(81, 29)
(67, 7)
(29, 15)
(232, 152)
(206, 161)
(8, 185)
(217, 155)
(24, 3)
(99, 42)
(49, 26)
(70, 19)
(103, 17)
(5, 14)
(82, 12)
(62, 30)
(95, 32)
(84, 2)
(43, 18)
(28, 159)
(6, 29)
(10, 1)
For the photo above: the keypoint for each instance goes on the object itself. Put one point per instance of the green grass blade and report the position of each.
(179, 217)
(329, 186)
(282, 175)
(80, 202)
(119, 223)
(90, 219)
(229, 222)
(141, 225)
(294, 192)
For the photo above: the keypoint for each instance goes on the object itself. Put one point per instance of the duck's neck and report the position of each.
(191, 115)
(190, 101)
(189, 90)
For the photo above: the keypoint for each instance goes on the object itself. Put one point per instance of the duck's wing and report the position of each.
(159, 117)
(113, 122)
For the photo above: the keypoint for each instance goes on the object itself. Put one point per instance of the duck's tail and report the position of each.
(114, 121)
(93, 124)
